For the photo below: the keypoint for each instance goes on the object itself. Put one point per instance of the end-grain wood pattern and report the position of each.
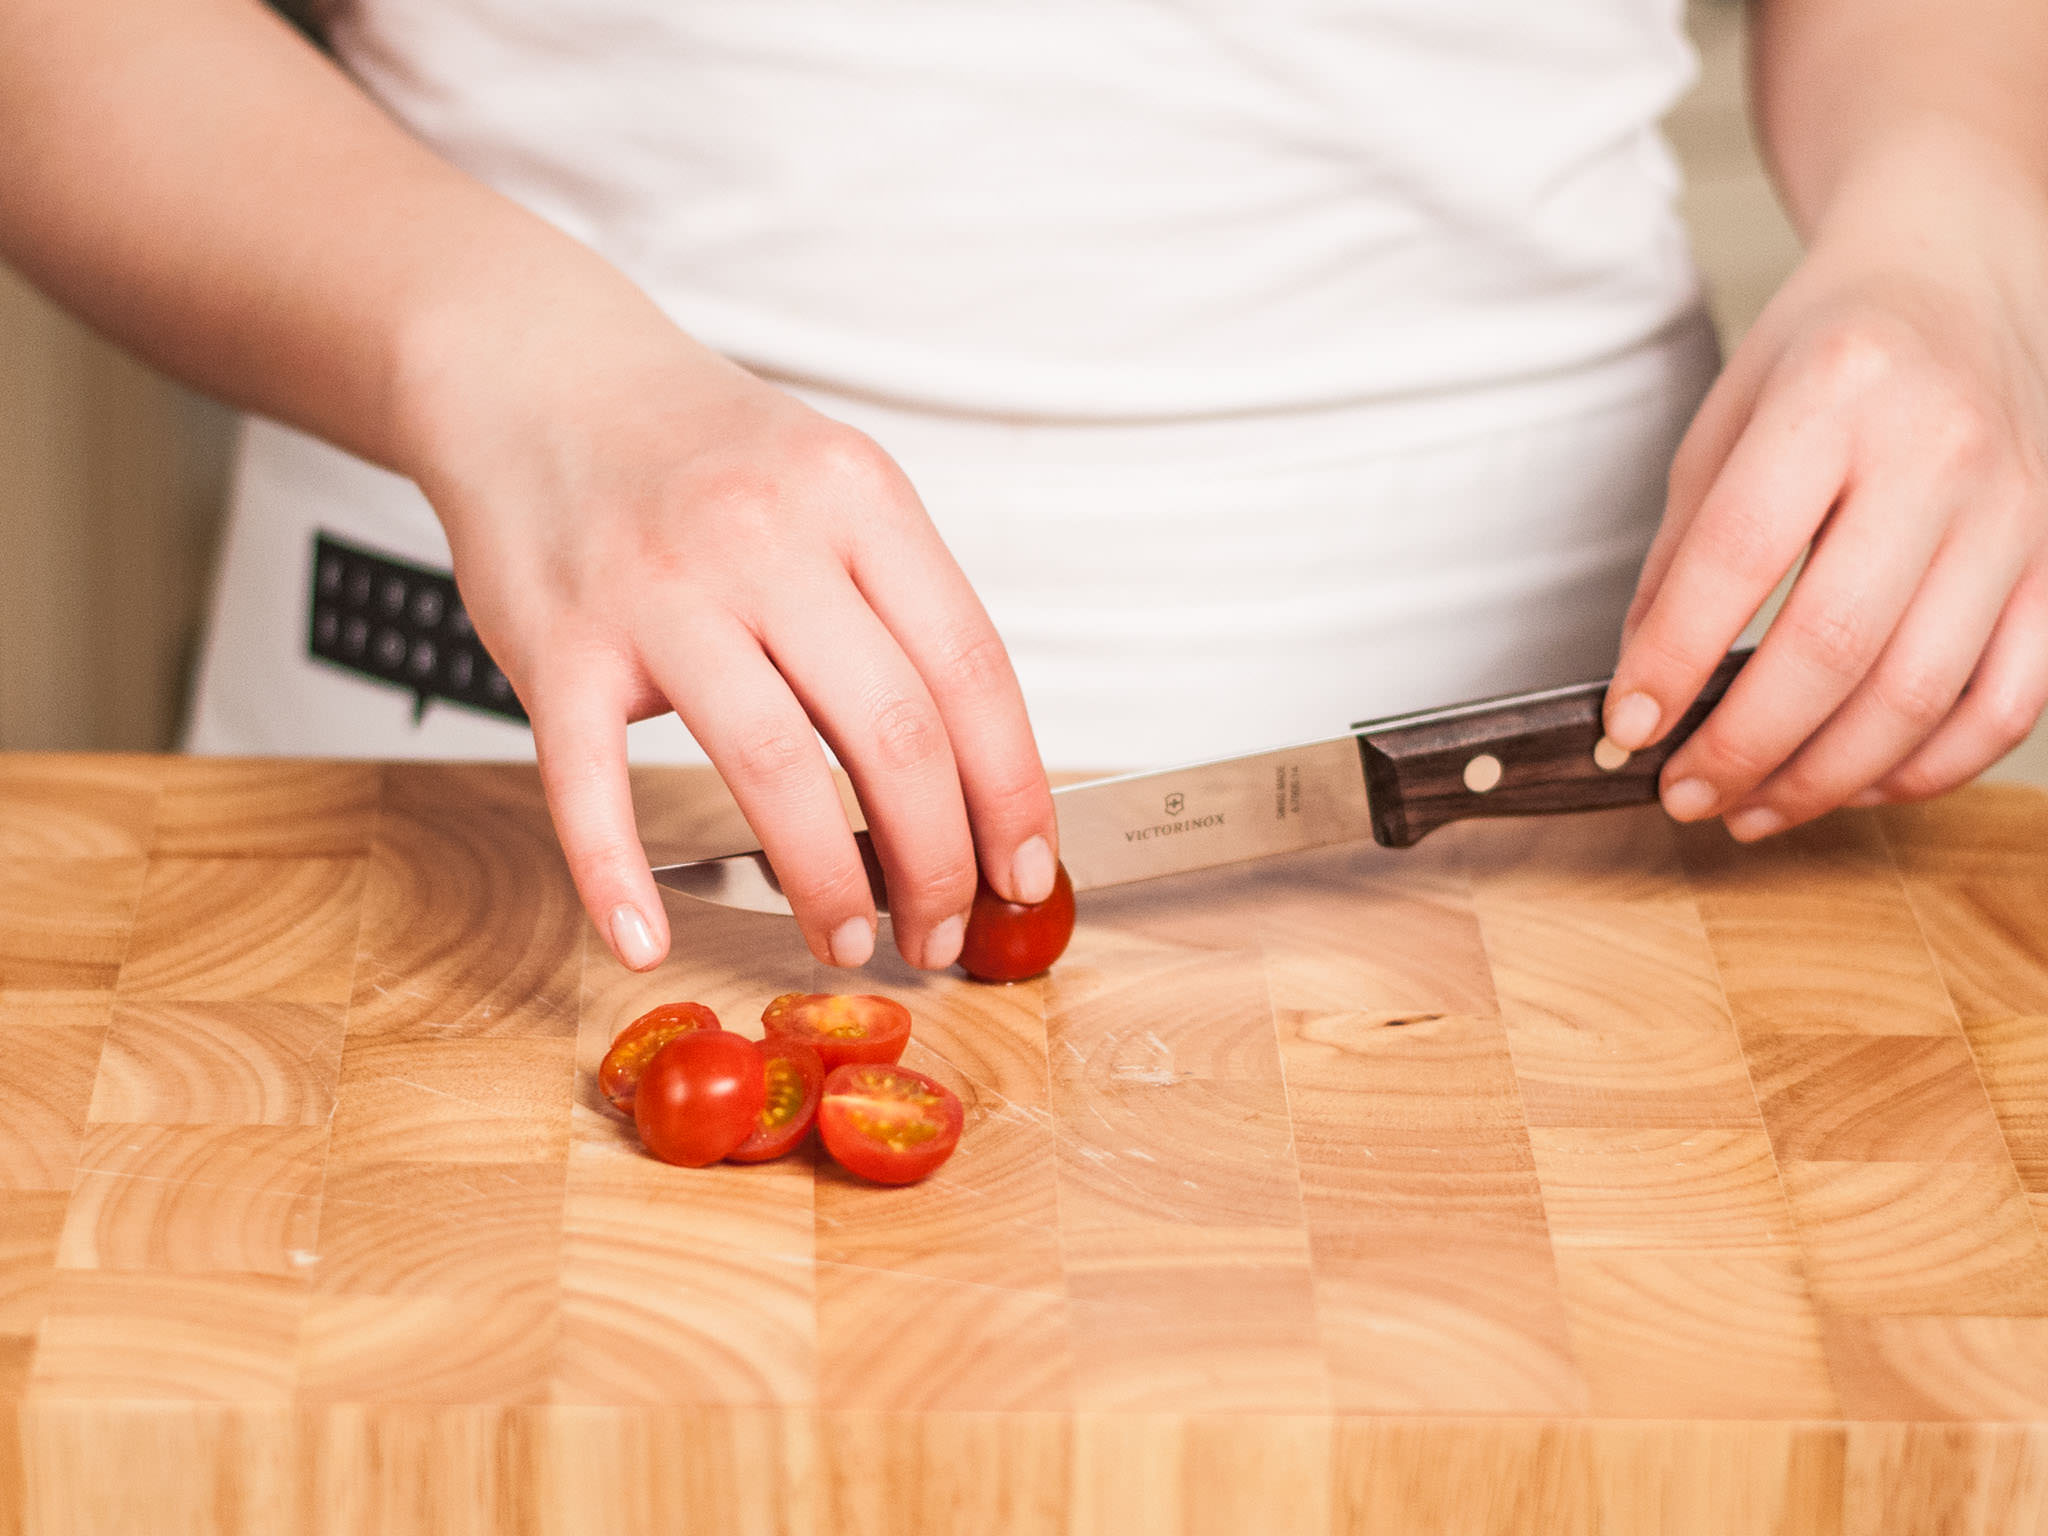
(1586, 1175)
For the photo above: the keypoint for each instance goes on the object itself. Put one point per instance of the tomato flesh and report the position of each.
(794, 1078)
(888, 1123)
(839, 1027)
(619, 1074)
(700, 1097)
(1008, 941)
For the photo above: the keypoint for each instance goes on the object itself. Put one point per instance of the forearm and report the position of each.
(1845, 90)
(207, 189)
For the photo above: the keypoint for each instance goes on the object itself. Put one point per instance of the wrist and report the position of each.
(1936, 183)
(504, 334)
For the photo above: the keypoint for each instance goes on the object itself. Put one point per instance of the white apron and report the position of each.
(1265, 366)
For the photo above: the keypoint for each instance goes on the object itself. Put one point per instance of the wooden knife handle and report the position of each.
(1531, 755)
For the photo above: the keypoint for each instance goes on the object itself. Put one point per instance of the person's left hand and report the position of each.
(1889, 408)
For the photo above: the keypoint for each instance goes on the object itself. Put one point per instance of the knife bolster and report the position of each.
(1533, 755)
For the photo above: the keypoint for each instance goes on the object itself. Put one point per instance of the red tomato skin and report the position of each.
(841, 1027)
(1008, 941)
(931, 1116)
(700, 1097)
(806, 1075)
(635, 1045)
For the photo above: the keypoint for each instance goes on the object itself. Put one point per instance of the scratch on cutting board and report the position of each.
(1157, 1073)
(441, 1093)
(1022, 1114)
(1151, 1077)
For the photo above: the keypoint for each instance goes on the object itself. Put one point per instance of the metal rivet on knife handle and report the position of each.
(1608, 756)
(1482, 773)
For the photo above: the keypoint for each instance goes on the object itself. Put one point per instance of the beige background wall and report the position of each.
(110, 489)
(111, 479)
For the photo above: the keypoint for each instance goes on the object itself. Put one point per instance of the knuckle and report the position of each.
(1832, 638)
(848, 461)
(836, 891)
(944, 886)
(1800, 786)
(771, 753)
(1009, 801)
(741, 506)
(1960, 431)
(1726, 759)
(907, 733)
(1913, 784)
(605, 867)
(974, 660)
(1663, 657)
(1857, 358)
(2010, 718)
(1916, 694)
(662, 558)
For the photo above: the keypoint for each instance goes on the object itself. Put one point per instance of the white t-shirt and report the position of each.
(1266, 365)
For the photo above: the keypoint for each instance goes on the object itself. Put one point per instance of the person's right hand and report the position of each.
(640, 525)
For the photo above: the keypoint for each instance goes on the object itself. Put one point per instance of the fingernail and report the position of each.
(1689, 799)
(632, 938)
(1031, 871)
(1867, 797)
(853, 942)
(942, 948)
(1632, 721)
(1758, 821)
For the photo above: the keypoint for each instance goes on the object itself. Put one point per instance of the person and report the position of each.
(1210, 375)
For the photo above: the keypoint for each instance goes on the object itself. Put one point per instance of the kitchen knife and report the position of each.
(1393, 780)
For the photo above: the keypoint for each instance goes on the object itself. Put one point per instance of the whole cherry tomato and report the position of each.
(795, 1077)
(636, 1044)
(1007, 941)
(700, 1097)
(841, 1028)
(888, 1123)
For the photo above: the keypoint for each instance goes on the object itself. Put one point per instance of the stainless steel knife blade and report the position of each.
(1136, 826)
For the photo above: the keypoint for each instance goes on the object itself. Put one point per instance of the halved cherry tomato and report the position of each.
(841, 1028)
(1007, 941)
(795, 1077)
(888, 1123)
(700, 1097)
(636, 1044)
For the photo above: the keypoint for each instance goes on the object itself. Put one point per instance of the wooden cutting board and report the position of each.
(1585, 1176)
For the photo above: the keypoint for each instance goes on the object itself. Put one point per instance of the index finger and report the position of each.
(927, 604)
(579, 737)
(1778, 486)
